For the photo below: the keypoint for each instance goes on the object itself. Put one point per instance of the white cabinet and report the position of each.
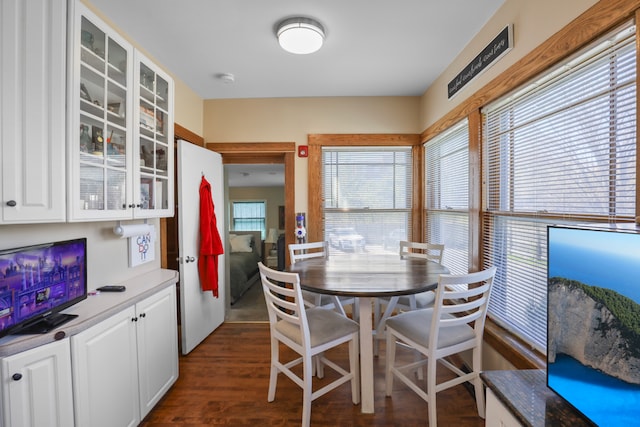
(124, 365)
(105, 373)
(36, 387)
(497, 415)
(157, 335)
(120, 147)
(32, 111)
(153, 139)
(99, 120)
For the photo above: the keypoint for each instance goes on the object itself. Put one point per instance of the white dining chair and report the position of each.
(303, 251)
(454, 324)
(428, 251)
(310, 332)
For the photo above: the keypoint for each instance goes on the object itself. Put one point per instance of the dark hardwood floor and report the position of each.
(224, 382)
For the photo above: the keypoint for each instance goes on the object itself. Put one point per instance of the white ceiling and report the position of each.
(372, 48)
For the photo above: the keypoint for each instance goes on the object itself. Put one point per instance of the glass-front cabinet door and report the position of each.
(101, 121)
(153, 140)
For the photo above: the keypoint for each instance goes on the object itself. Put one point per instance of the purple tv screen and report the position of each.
(36, 281)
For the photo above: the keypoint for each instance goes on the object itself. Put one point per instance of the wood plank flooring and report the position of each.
(224, 382)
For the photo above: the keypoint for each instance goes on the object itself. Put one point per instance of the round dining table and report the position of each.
(366, 277)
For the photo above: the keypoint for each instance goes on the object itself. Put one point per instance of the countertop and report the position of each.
(526, 395)
(94, 309)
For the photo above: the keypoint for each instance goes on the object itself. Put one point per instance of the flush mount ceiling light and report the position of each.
(300, 35)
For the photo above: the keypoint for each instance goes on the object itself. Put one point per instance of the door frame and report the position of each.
(266, 153)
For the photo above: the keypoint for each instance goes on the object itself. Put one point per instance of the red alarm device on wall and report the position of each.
(303, 150)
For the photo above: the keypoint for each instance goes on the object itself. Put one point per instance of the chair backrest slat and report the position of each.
(302, 251)
(430, 251)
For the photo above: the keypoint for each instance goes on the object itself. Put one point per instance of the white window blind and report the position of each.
(249, 216)
(561, 149)
(447, 195)
(367, 194)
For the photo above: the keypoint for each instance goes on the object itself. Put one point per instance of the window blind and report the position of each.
(560, 150)
(447, 195)
(249, 216)
(367, 192)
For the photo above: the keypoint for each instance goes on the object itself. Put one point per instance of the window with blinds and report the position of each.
(367, 197)
(249, 216)
(447, 195)
(560, 150)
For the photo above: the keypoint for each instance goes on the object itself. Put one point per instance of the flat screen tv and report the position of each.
(593, 328)
(38, 282)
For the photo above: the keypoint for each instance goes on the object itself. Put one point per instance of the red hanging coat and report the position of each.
(210, 242)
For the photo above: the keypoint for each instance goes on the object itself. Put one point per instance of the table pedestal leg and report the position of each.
(366, 355)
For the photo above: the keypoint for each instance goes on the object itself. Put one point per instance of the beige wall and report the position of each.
(292, 119)
(533, 23)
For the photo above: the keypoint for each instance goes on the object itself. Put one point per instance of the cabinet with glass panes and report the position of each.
(99, 168)
(105, 176)
(153, 138)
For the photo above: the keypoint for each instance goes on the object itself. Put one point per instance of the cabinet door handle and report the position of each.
(143, 314)
(16, 377)
(11, 203)
(134, 319)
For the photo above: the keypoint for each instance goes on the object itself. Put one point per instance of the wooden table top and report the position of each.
(363, 275)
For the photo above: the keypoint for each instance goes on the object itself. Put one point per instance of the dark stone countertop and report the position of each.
(526, 395)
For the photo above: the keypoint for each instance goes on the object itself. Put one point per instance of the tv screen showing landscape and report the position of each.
(39, 281)
(593, 336)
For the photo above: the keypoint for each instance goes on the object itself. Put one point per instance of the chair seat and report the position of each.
(416, 326)
(324, 326)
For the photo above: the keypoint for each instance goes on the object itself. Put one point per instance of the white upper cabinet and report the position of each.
(32, 110)
(153, 139)
(116, 105)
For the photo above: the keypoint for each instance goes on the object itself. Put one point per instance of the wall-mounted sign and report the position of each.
(494, 51)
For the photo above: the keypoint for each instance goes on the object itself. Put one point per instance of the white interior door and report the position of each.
(201, 312)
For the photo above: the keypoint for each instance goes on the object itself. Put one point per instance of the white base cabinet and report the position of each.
(36, 387)
(124, 365)
(497, 414)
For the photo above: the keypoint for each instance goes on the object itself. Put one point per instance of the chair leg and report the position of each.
(318, 366)
(354, 366)
(307, 380)
(477, 382)
(432, 364)
(273, 377)
(376, 320)
(390, 361)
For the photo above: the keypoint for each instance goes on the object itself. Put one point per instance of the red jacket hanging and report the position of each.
(210, 242)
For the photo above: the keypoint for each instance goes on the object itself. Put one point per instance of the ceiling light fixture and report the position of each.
(300, 35)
